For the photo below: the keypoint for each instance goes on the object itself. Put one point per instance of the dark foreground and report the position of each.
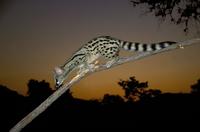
(166, 111)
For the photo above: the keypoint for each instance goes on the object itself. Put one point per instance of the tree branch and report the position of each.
(44, 105)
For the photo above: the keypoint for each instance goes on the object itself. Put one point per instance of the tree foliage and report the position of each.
(135, 90)
(38, 88)
(195, 88)
(112, 99)
(179, 11)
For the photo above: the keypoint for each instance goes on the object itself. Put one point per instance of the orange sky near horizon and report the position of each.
(36, 36)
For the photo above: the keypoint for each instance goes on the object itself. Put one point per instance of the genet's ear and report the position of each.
(58, 70)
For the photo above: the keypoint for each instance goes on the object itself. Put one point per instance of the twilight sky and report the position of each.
(37, 35)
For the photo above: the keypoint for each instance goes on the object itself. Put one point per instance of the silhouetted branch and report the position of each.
(43, 106)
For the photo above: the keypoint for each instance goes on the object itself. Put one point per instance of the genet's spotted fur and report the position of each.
(105, 46)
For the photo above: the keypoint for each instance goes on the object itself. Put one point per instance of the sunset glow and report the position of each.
(36, 36)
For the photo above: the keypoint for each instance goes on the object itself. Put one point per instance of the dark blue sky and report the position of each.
(37, 35)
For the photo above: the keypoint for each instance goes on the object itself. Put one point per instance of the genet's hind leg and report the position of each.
(87, 66)
(112, 61)
(113, 57)
(92, 61)
(93, 66)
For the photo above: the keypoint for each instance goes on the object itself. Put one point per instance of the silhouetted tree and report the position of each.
(195, 88)
(133, 88)
(149, 93)
(36, 88)
(7, 94)
(12, 108)
(179, 11)
(38, 91)
(112, 99)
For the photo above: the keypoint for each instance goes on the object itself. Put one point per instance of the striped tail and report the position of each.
(142, 47)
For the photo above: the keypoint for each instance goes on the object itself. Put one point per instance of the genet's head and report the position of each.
(58, 76)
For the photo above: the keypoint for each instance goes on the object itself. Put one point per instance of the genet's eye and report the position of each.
(57, 84)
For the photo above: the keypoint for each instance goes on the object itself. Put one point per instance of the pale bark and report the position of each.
(44, 105)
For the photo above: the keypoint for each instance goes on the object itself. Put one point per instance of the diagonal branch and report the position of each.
(44, 105)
